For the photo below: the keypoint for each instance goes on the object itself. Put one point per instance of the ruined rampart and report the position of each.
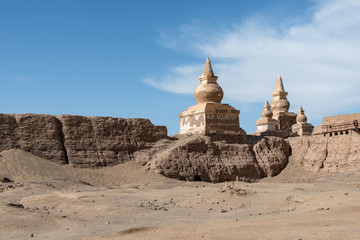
(326, 154)
(78, 140)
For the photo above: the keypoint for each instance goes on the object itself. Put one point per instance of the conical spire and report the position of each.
(279, 87)
(267, 105)
(208, 73)
(279, 102)
(301, 110)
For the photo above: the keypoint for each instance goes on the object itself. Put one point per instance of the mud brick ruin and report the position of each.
(209, 116)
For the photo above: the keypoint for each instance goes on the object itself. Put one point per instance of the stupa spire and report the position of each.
(301, 110)
(279, 87)
(267, 106)
(208, 73)
(279, 102)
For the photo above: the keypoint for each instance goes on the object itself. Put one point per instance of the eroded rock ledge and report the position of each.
(81, 141)
(105, 141)
(337, 154)
(197, 157)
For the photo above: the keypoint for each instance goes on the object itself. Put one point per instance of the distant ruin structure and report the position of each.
(209, 116)
(276, 120)
(338, 125)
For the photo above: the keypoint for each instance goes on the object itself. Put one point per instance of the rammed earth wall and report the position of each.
(78, 140)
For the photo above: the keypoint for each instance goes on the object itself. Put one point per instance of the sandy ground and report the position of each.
(51, 201)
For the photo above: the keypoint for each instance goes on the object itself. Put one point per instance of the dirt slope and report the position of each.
(22, 166)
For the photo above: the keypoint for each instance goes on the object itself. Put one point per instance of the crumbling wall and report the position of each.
(198, 157)
(78, 140)
(334, 154)
(336, 119)
(37, 134)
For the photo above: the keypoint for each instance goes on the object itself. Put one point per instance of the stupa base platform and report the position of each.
(219, 121)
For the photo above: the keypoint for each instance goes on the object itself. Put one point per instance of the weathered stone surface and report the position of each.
(335, 154)
(197, 157)
(104, 141)
(8, 137)
(272, 155)
(37, 134)
(78, 140)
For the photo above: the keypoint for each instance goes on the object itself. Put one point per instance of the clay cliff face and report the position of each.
(105, 141)
(81, 141)
(272, 154)
(37, 134)
(334, 154)
(197, 157)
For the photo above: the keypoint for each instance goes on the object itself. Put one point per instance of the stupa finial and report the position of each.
(208, 73)
(279, 102)
(279, 87)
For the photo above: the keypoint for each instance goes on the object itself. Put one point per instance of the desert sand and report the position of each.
(47, 200)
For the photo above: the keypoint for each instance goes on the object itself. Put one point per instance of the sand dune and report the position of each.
(20, 166)
(127, 201)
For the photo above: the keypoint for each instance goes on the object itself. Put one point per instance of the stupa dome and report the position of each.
(208, 89)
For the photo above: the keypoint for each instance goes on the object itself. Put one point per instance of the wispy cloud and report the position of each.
(318, 59)
(180, 79)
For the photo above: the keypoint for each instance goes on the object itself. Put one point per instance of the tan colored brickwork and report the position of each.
(209, 116)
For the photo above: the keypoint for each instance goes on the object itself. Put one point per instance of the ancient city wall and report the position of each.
(78, 140)
(334, 154)
(342, 118)
(104, 141)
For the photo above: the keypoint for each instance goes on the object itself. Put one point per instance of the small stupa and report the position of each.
(280, 107)
(209, 116)
(266, 122)
(276, 120)
(302, 127)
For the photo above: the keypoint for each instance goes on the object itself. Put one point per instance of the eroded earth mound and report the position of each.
(105, 141)
(199, 158)
(337, 154)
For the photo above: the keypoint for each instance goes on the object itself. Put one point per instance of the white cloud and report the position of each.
(180, 79)
(319, 60)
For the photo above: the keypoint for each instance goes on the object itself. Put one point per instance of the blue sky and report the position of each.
(142, 58)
